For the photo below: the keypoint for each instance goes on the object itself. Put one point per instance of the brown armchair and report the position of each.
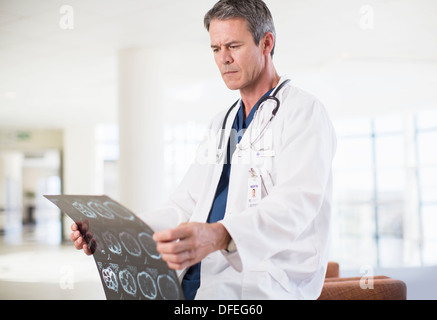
(384, 288)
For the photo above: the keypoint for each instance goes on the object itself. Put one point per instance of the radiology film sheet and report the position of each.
(124, 251)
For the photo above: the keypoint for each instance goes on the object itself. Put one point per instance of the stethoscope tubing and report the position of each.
(275, 110)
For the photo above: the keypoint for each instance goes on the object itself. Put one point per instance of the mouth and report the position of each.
(227, 73)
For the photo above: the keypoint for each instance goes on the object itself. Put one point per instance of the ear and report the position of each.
(267, 43)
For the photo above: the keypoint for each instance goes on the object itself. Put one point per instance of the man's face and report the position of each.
(239, 59)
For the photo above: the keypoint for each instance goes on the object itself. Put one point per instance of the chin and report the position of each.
(232, 85)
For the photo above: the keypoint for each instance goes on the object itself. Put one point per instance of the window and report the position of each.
(385, 186)
(426, 138)
(385, 191)
(180, 145)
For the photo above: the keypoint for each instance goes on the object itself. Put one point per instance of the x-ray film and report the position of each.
(128, 263)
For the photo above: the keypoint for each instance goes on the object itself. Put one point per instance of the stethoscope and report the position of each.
(260, 134)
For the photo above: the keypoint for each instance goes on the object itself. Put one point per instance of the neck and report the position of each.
(252, 93)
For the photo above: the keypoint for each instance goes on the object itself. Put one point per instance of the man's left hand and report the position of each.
(189, 243)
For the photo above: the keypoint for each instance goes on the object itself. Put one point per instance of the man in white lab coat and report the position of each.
(250, 219)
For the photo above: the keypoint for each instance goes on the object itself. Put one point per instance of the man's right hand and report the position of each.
(78, 239)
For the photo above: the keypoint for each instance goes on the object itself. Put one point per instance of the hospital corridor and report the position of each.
(115, 97)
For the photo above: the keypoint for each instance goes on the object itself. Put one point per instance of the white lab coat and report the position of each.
(282, 242)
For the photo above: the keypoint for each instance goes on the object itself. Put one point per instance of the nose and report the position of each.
(225, 56)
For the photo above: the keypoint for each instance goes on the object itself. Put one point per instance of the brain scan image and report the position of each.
(112, 242)
(110, 279)
(147, 285)
(119, 210)
(168, 287)
(127, 282)
(130, 244)
(149, 245)
(84, 209)
(101, 210)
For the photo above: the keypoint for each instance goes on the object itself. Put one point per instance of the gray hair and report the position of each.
(255, 12)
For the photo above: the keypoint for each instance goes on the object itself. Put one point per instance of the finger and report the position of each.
(88, 236)
(83, 226)
(166, 235)
(178, 262)
(174, 247)
(92, 245)
(75, 235)
(176, 266)
(79, 243)
(78, 225)
(182, 231)
(180, 258)
(86, 250)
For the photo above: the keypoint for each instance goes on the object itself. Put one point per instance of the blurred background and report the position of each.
(112, 97)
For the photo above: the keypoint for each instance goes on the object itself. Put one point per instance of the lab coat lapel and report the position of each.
(204, 206)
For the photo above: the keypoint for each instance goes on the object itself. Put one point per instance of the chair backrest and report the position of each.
(333, 270)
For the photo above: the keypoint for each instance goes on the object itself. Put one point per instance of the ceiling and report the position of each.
(357, 56)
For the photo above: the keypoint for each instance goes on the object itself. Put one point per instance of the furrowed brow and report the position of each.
(227, 44)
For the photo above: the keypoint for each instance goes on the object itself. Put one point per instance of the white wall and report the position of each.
(81, 168)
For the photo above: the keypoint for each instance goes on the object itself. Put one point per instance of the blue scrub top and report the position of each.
(191, 280)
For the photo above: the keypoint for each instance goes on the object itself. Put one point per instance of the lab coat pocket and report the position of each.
(266, 181)
(279, 276)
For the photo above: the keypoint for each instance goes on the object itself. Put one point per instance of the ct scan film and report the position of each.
(128, 263)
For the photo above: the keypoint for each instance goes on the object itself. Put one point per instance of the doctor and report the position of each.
(250, 219)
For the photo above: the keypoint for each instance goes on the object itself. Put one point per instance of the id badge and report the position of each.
(253, 190)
